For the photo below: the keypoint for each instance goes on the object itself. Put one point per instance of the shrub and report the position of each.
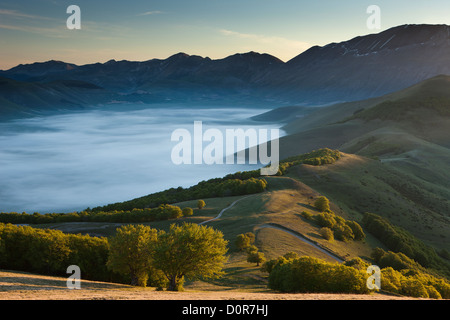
(357, 263)
(307, 274)
(325, 219)
(343, 232)
(307, 215)
(187, 212)
(357, 230)
(391, 280)
(413, 288)
(432, 292)
(269, 265)
(322, 204)
(327, 233)
(399, 240)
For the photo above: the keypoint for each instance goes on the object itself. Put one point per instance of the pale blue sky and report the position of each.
(35, 30)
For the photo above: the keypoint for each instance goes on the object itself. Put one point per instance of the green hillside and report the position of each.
(384, 166)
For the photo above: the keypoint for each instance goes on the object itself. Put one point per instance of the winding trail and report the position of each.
(223, 210)
(281, 228)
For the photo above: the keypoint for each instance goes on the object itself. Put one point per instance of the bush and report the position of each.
(269, 265)
(47, 251)
(343, 232)
(243, 241)
(307, 274)
(327, 233)
(399, 240)
(357, 263)
(322, 204)
(307, 215)
(391, 280)
(413, 288)
(326, 219)
(357, 230)
(187, 212)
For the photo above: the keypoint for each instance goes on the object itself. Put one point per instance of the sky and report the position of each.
(140, 30)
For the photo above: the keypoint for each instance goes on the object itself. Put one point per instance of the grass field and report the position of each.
(25, 286)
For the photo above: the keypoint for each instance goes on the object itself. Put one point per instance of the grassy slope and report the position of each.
(281, 204)
(408, 131)
(408, 183)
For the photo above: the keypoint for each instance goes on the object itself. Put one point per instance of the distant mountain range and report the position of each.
(361, 68)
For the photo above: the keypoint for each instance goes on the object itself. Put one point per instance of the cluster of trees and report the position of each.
(245, 242)
(397, 239)
(315, 158)
(402, 275)
(291, 273)
(240, 183)
(165, 259)
(334, 226)
(136, 254)
(414, 284)
(49, 251)
(162, 212)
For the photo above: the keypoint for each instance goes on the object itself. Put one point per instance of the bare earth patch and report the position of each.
(24, 286)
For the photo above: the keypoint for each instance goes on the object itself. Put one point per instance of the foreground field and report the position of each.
(25, 286)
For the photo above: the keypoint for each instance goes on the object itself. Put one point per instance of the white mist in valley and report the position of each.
(69, 162)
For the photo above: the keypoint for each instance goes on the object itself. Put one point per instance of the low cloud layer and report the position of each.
(69, 162)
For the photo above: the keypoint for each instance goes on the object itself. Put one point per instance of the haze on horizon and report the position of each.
(35, 31)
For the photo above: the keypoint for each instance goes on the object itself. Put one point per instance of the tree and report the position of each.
(190, 251)
(201, 204)
(326, 219)
(130, 252)
(343, 232)
(187, 212)
(254, 256)
(356, 229)
(322, 204)
(243, 241)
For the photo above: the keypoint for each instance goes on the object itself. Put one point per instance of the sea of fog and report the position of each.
(69, 162)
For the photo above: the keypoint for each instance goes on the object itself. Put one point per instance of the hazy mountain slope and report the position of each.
(20, 98)
(360, 68)
(408, 135)
(367, 66)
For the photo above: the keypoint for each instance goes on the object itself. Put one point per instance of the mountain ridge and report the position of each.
(360, 68)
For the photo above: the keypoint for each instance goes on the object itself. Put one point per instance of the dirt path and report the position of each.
(223, 210)
(298, 236)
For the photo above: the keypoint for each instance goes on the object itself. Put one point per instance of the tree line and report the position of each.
(399, 240)
(291, 273)
(136, 254)
(47, 251)
(240, 183)
(148, 210)
(334, 226)
(316, 158)
(162, 212)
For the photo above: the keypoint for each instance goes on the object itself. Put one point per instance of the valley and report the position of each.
(381, 160)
